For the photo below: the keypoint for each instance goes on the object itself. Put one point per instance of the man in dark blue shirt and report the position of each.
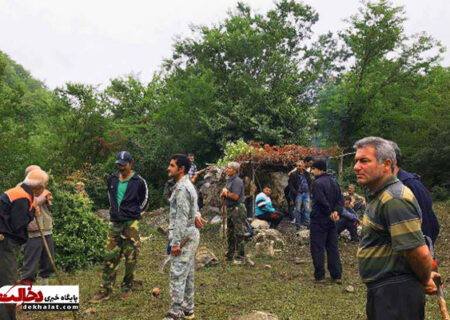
(327, 204)
(430, 224)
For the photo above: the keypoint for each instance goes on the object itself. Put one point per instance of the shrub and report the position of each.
(78, 234)
(440, 193)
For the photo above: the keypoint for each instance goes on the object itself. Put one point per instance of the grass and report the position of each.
(286, 290)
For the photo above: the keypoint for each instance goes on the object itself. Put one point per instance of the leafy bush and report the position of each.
(440, 193)
(234, 150)
(94, 177)
(78, 234)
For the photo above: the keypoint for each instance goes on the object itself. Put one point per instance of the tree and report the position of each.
(368, 99)
(248, 77)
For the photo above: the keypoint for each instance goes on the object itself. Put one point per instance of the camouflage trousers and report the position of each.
(235, 230)
(123, 241)
(182, 277)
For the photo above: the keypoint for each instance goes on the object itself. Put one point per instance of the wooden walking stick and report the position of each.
(224, 235)
(51, 260)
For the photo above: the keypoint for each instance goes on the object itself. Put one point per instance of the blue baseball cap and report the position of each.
(123, 157)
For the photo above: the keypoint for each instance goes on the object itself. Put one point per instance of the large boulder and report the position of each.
(214, 181)
(256, 315)
(270, 234)
(268, 242)
(265, 248)
(204, 257)
(279, 182)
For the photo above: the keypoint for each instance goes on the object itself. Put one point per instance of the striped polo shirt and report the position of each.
(391, 225)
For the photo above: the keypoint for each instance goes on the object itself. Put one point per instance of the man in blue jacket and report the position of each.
(264, 209)
(128, 198)
(327, 204)
(430, 224)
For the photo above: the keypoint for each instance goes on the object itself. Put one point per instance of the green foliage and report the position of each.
(250, 76)
(372, 97)
(78, 234)
(440, 193)
(233, 150)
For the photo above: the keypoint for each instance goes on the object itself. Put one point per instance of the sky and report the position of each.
(93, 41)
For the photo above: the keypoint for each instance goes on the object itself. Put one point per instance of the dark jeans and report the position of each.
(249, 206)
(324, 237)
(9, 250)
(35, 257)
(348, 224)
(396, 300)
(274, 222)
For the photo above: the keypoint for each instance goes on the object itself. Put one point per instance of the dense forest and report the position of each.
(264, 77)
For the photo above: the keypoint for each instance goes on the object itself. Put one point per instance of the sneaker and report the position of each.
(293, 221)
(102, 295)
(124, 295)
(189, 315)
(171, 316)
(337, 281)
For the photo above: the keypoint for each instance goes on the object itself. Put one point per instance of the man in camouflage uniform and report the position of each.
(183, 239)
(128, 197)
(233, 194)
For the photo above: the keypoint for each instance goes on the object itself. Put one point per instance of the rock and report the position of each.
(265, 248)
(268, 242)
(155, 218)
(163, 228)
(103, 214)
(270, 234)
(298, 260)
(267, 266)
(278, 181)
(210, 190)
(345, 234)
(260, 224)
(256, 315)
(204, 257)
(303, 236)
(350, 289)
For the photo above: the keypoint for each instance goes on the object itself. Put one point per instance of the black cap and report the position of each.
(123, 157)
(320, 164)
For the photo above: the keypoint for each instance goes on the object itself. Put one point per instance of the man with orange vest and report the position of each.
(17, 208)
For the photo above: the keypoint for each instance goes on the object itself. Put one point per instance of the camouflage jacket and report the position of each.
(183, 210)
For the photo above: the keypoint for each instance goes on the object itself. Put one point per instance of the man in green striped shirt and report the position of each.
(394, 261)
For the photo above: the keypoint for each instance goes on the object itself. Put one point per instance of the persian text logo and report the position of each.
(40, 298)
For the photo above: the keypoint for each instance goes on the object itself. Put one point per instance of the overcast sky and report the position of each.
(92, 41)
